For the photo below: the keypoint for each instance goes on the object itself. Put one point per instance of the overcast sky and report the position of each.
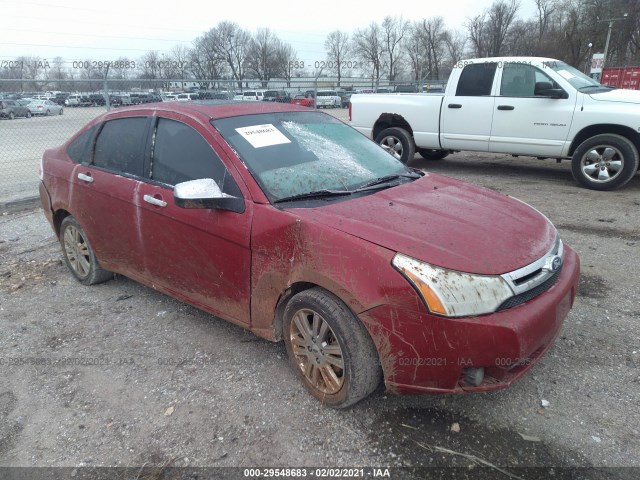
(107, 30)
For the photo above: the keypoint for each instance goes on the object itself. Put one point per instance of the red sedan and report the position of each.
(295, 226)
(303, 100)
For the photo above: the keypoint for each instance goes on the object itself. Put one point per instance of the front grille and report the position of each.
(529, 294)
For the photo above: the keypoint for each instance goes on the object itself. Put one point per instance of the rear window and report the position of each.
(476, 80)
(77, 150)
(327, 94)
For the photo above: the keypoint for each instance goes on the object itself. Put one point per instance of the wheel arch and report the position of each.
(58, 217)
(605, 128)
(389, 120)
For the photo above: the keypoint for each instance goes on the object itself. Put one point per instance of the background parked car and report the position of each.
(253, 95)
(277, 96)
(302, 99)
(44, 107)
(345, 98)
(328, 99)
(11, 109)
(72, 101)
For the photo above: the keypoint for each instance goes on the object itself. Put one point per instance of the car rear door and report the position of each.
(468, 113)
(200, 255)
(104, 193)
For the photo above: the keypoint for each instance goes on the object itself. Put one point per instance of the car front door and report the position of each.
(201, 255)
(525, 119)
(467, 115)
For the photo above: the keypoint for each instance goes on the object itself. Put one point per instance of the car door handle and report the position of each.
(154, 201)
(85, 178)
(506, 107)
(454, 105)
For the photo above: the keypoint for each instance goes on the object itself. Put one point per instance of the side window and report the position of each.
(181, 154)
(120, 145)
(521, 80)
(77, 150)
(476, 80)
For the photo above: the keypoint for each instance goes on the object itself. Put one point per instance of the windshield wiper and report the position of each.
(382, 181)
(315, 194)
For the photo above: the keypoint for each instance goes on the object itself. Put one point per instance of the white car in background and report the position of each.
(253, 95)
(328, 99)
(44, 107)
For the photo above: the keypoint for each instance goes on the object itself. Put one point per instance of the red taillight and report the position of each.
(349, 111)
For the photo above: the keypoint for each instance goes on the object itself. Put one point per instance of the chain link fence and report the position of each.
(35, 117)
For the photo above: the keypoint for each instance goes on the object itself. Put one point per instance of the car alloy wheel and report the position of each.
(604, 162)
(78, 254)
(317, 351)
(330, 349)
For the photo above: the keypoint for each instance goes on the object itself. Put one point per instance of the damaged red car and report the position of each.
(293, 225)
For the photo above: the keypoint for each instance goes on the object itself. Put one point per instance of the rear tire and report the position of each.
(429, 154)
(604, 162)
(329, 349)
(78, 254)
(12, 115)
(28, 115)
(397, 142)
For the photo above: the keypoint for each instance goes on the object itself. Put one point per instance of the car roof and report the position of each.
(212, 109)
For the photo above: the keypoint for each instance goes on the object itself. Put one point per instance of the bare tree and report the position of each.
(262, 55)
(477, 28)
(394, 30)
(368, 46)
(545, 10)
(338, 48)
(414, 51)
(499, 18)
(456, 43)
(286, 58)
(432, 37)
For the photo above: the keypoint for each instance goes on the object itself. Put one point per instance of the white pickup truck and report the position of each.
(527, 106)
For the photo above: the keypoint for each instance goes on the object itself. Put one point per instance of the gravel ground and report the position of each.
(120, 375)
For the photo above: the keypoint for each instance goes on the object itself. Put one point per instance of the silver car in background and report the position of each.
(44, 107)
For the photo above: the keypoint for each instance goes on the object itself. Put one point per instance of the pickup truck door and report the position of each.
(526, 120)
(467, 114)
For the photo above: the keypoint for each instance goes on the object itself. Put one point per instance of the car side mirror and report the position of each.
(545, 89)
(205, 193)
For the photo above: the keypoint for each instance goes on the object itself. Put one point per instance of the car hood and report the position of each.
(446, 223)
(618, 95)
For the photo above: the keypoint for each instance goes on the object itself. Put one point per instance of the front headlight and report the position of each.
(452, 293)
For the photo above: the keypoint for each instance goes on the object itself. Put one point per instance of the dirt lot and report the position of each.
(120, 375)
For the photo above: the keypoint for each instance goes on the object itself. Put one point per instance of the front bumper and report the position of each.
(420, 352)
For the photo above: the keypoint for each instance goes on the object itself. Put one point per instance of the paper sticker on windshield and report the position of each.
(263, 135)
(565, 74)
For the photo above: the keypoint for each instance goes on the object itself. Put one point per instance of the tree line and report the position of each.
(394, 49)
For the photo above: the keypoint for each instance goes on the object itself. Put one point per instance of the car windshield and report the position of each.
(575, 77)
(294, 153)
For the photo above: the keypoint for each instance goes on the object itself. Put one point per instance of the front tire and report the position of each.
(604, 162)
(78, 254)
(398, 142)
(429, 154)
(330, 350)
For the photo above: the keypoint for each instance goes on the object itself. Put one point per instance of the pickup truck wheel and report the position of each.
(398, 142)
(330, 350)
(429, 154)
(604, 162)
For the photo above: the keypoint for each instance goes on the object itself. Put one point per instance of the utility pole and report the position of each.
(606, 45)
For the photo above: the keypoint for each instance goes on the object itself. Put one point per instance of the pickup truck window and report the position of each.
(519, 80)
(476, 80)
